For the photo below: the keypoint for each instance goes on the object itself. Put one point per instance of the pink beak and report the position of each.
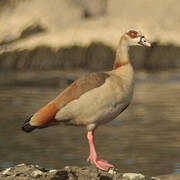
(147, 44)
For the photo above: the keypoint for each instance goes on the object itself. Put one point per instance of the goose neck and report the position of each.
(122, 56)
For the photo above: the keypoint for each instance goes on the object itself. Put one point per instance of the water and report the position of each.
(145, 138)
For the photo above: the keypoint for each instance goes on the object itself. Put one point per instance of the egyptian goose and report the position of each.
(94, 99)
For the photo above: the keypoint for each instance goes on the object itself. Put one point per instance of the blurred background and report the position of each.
(45, 45)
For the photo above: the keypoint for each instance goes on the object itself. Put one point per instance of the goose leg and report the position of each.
(101, 164)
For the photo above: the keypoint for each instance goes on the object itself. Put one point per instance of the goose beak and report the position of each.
(147, 44)
(144, 42)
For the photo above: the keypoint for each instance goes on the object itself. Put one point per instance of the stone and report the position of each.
(24, 171)
(133, 176)
(6, 171)
(36, 173)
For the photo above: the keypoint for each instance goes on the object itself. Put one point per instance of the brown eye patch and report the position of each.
(133, 34)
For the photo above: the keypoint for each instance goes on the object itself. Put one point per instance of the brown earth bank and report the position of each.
(96, 56)
(23, 171)
(39, 34)
(33, 50)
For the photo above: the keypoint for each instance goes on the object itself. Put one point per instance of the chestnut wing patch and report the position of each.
(79, 87)
(45, 116)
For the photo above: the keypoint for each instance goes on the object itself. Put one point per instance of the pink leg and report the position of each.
(101, 164)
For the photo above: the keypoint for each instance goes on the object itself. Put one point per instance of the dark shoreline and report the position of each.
(95, 57)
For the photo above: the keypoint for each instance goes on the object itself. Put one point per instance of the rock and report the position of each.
(97, 19)
(53, 15)
(36, 173)
(133, 176)
(6, 172)
(27, 31)
(23, 171)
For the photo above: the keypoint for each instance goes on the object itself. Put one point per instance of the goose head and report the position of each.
(135, 38)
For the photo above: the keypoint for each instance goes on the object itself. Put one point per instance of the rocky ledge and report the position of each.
(30, 172)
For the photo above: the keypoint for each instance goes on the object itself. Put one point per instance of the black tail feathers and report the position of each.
(27, 127)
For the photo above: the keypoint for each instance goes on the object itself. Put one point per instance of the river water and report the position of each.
(145, 138)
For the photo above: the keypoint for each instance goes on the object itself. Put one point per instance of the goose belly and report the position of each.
(96, 106)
